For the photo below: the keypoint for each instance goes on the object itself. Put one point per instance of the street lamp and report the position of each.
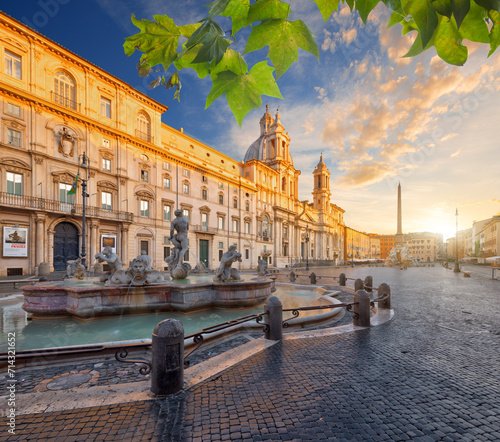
(457, 266)
(85, 195)
(307, 247)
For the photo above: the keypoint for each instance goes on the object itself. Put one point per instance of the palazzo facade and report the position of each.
(57, 109)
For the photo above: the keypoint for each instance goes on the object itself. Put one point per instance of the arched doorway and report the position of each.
(65, 245)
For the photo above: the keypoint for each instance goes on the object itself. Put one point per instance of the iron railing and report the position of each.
(53, 206)
(143, 136)
(65, 101)
(296, 311)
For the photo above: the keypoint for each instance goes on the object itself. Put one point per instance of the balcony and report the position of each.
(204, 229)
(145, 136)
(65, 101)
(52, 206)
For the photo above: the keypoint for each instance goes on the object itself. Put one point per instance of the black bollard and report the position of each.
(369, 283)
(362, 308)
(384, 289)
(274, 319)
(167, 373)
(358, 285)
(312, 277)
(342, 279)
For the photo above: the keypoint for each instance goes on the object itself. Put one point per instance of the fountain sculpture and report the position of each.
(178, 268)
(400, 256)
(141, 289)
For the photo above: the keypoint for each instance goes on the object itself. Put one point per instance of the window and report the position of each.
(204, 194)
(166, 183)
(63, 193)
(221, 185)
(166, 240)
(64, 90)
(204, 179)
(166, 165)
(204, 221)
(235, 203)
(247, 206)
(143, 127)
(13, 109)
(166, 252)
(247, 253)
(106, 201)
(144, 247)
(13, 137)
(221, 198)
(285, 232)
(221, 252)
(144, 176)
(14, 183)
(105, 107)
(145, 208)
(187, 214)
(220, 222)
(167, 212)
(13, 65)
(247, 227)
(221, 245)
(106, 164)
(185, 172)
(185, 188)
(235, 225)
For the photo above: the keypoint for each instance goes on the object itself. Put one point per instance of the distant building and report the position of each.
(489, 238)
(387, 243)
(357, 245)
(374, 246)
(423, 246)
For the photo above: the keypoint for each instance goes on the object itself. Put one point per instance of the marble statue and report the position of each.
(179, 237)
(75, 269)
(262, 267)
(225, 273)
(139, 273)
(112, 259)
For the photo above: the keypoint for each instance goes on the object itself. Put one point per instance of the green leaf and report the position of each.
(417, 48)
(394, 5)
(364, 7)
(424, 15)
(489, 4)
(243, 92)
(326, 7)
(395, 18)
(409, 26)
(460, 9)
(237, 10)
(158, 40)
(474, 28)
(185, 60)
(267, 10)
(217, 7)
(350, 3)
(232, 61)
(495, 31)
(448, 42)
(283, 38)
(187, 30)
(211, 36)
(143, 68)
(442, 7)
(173, 81)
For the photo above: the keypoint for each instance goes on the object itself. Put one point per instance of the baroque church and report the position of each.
(64, 120)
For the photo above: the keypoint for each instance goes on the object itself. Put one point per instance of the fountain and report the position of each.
(142, 289)
(401, 257)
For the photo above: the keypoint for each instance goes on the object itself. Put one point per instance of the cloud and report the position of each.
(456, 153)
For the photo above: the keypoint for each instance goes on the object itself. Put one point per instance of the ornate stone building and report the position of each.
(57, 109)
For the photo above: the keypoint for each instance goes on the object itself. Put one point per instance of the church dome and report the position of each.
(254, 152)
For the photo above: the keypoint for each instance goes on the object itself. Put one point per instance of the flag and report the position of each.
(72, 191)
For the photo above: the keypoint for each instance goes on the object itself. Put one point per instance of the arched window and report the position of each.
(64, 90)
(143, 127)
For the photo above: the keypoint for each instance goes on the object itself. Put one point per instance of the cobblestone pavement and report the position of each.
(433, 373)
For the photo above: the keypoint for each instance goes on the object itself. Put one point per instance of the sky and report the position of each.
(378, 118)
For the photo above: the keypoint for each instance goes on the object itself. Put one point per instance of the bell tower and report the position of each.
(321, 192)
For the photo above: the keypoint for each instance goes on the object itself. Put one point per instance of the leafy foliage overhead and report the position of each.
(206, 47)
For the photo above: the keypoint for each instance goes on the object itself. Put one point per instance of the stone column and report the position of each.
(93, 242)
(124, 251)
(50, 234)
(40, 240)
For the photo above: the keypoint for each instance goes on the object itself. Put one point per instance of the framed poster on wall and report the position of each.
(108, 240)
(15, 241)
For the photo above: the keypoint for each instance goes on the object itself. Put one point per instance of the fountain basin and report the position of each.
(53, 300)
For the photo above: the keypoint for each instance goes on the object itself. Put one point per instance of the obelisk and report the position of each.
(399, 234)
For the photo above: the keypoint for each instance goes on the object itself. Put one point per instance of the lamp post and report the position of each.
(457, 266)
(307, 247)
(85, 195)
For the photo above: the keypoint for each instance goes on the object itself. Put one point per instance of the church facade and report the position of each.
(59, 112)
